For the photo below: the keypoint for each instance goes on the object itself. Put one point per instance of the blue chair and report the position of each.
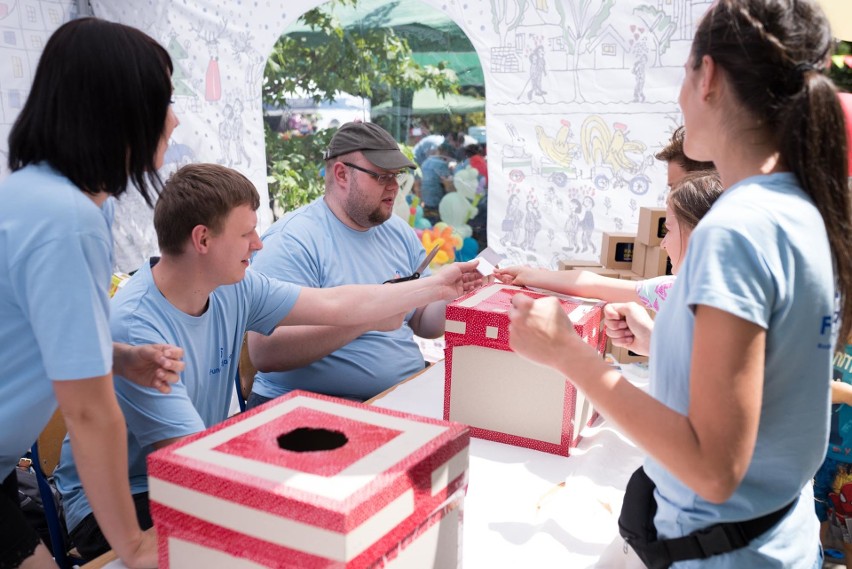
(45, 455)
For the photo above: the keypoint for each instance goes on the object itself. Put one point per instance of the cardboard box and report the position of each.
(312, 481)
(617, 250)
(567, 265)
(640, 253)
(502, 396)
(625, 356)
(652, 226)
(657, 262)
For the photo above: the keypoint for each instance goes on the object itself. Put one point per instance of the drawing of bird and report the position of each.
(558, 148)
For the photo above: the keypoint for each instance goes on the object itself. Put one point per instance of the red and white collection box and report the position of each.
(311, 481)
(502, 396)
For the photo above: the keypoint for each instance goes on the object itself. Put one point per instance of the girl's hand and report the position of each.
(629, 325)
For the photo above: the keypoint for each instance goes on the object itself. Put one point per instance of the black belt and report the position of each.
(636, 525)
(722, 537)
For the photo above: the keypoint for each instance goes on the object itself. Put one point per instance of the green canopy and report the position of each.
(428, 102)
(431, 34)
(465, 64)
(384, 14)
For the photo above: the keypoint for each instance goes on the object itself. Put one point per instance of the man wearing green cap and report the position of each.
(348, 236)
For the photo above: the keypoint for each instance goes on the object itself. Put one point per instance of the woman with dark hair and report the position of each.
(98, 117)
(736, 422)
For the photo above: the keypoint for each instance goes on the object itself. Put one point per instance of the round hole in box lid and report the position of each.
(307, 439)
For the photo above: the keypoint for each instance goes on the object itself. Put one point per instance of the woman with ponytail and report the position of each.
(736, 421)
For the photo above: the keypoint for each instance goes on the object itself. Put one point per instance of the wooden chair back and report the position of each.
(50, 443)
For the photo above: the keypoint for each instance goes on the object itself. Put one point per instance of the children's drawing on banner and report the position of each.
(587, 225)
(185, 93)
(24, 29)
(532, 223)
(225, 135)
(553, 69)
(252, 63)
(512, 224)
(237, 131)
(640, 61)
(615, 160)
(572, 225)
(537, 72)
(211, 35)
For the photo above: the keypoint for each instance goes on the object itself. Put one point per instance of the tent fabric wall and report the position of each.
(579, 97)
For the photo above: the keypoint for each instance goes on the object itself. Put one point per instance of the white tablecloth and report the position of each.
(526, 508)
(529, 509)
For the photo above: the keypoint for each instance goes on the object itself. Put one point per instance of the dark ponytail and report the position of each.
(774, 53)
(815, 149)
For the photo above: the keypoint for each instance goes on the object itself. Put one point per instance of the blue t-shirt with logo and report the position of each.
(762, 255)
(55, 268)
(202, 396)
(311, 247)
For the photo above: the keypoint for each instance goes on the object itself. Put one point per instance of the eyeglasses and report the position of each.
(383, 179)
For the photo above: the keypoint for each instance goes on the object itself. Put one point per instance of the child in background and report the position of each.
(689, 200)
(833, 480)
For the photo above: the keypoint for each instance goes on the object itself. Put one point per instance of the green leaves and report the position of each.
(372, 62)
(293, 167)
(362, 61)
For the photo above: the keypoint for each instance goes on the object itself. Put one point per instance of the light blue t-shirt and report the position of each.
(202, 396)
(761, 254)
(55, 260)
(311, 247)
(653, 292)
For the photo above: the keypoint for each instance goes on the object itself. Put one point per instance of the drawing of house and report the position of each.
(608, 50)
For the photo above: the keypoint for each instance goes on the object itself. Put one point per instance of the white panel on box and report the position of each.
(436, 548)
(486, 379)
(187, 554)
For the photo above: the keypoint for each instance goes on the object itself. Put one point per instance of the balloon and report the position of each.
(447, 240)
(469, 249)
(400, 204)
(466, 182)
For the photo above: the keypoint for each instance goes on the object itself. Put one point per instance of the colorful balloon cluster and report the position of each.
(446, 239)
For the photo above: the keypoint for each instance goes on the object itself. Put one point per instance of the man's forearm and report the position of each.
(293, 347)
(429, 321)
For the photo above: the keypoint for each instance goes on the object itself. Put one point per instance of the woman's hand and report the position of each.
(540, 330)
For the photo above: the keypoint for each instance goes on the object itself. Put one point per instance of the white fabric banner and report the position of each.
(580, 95)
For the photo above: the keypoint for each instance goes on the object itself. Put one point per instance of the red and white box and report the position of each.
(502, 396)
(311, 481)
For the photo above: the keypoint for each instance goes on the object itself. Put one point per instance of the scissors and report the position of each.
(419, 269)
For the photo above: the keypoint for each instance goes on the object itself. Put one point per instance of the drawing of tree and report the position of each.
(583, 22)
(659, 25)
(505, 19)
(180, 77)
